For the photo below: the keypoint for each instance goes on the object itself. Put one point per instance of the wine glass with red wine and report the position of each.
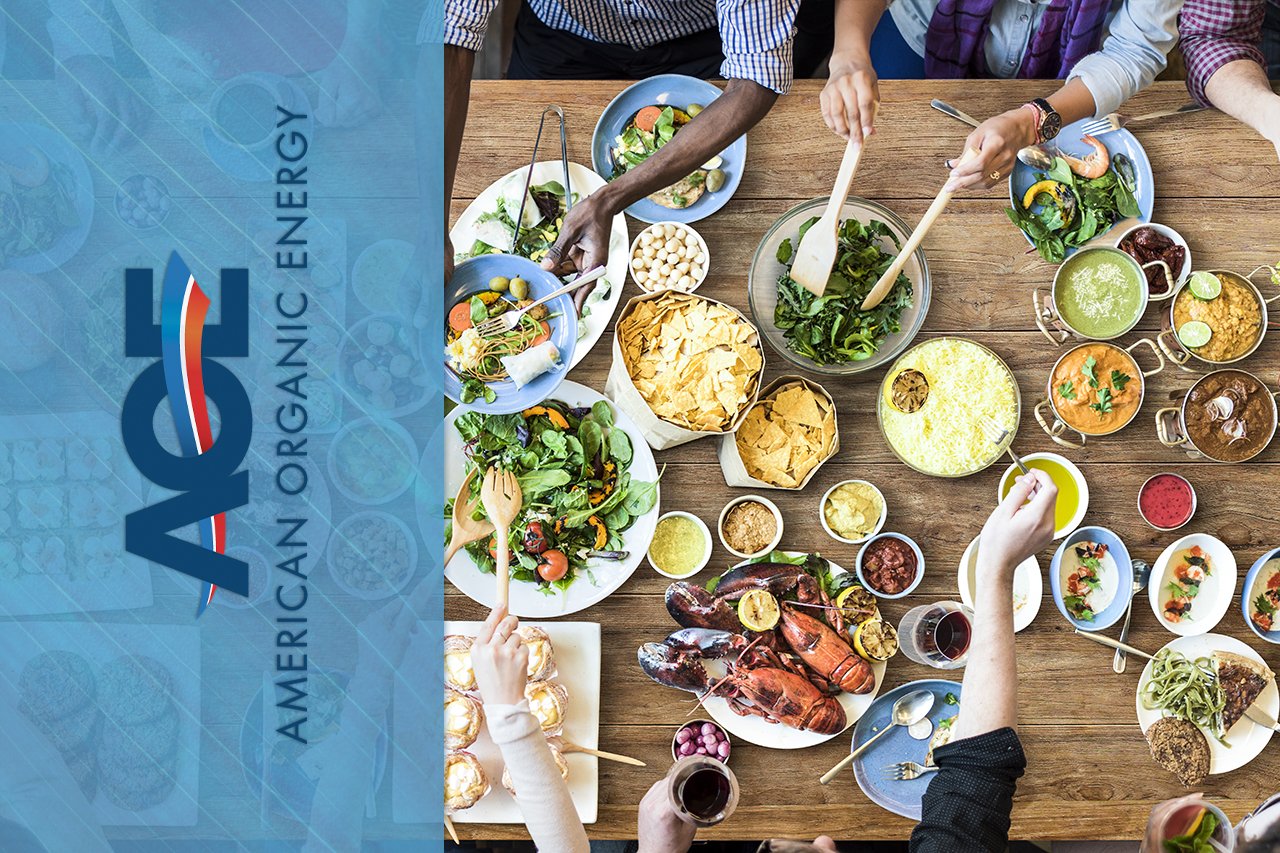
(937, 635)
(703, 791)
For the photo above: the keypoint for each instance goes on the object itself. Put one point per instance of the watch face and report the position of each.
(1051, 125)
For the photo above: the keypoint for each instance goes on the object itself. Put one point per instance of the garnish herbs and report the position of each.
(1092, 206)
(1067, 390)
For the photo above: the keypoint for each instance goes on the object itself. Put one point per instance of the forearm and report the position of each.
(1073, 101)
(1241, 90)
(458, 65)
(726, 118)
(855, 21)
(991, 674)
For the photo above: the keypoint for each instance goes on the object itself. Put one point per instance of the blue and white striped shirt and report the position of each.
(755, 35)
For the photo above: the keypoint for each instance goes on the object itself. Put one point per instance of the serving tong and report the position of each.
(528, 176)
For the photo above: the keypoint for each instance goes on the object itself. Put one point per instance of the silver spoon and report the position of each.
(1034, 156)
(1141, 577)
(907, 711)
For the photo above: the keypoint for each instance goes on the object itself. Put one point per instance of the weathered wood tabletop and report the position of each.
(1089, 774)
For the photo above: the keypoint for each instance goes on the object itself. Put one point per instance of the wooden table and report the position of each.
(1089, 772)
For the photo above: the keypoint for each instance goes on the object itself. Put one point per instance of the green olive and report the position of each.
(499, 283)
(519, 288)
(693, 110)
(715, 180)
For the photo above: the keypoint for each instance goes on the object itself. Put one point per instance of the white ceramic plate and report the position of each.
(759, 731)
(526, 601)
(577, 648)
(603, 301)
(1247, 738)
(1028, 586)
(1216, 592)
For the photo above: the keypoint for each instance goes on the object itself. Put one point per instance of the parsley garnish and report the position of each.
(1087, 369)
(1104, 402)
(1263, 605)
(1119, 380)
(1067, 390)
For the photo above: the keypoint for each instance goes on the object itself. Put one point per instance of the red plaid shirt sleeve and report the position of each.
(1215, 32)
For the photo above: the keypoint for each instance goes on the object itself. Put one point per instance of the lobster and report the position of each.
(778, 579)
(760, 682)
(693, 607)
(823, 651)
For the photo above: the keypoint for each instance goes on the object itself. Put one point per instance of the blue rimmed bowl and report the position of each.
(1123, 581)
(471, 277)
(1248, 594)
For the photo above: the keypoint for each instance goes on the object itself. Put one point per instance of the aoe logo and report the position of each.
(205, 473)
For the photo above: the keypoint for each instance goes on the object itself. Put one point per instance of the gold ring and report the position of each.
(995, 176)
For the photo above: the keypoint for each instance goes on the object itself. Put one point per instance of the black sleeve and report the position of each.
(967, 806)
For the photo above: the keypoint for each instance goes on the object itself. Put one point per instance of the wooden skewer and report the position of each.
(885, 284)
(569, 746)
(453, 833)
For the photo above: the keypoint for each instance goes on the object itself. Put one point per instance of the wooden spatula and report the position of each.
(817, 252)
(569, 746)
(502, 500)
(885, 284)
(465, 528)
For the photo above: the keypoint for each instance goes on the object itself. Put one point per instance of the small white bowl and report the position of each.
(822, 512)
(706, 553)
(1076, 474)
(635, 248)
(777, 517)
(915, 549)
(1180, 276)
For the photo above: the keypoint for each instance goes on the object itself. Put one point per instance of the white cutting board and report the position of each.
(577, 648)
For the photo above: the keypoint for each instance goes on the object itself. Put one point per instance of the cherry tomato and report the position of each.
(553, 565)
(493, 547)
(535, 541)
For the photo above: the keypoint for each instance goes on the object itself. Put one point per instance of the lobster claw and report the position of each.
(693, 607)
(706, 642)
(672, 667)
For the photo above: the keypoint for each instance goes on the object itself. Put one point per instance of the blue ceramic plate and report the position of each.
(1247, 595)
(473, 276)
(869, 769)
(1117, 142)
(677, 90)
(1123, 581)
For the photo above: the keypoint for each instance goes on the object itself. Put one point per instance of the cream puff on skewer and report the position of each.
(465, 784)
(548, 701)
(542, 658)
(458, 673)
(463, 719)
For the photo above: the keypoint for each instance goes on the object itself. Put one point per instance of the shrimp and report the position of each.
(1092, 165)
(1177, 608)
(1189, 574)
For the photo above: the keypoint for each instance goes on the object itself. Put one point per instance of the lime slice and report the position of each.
(1205, 285)
(1195, 334)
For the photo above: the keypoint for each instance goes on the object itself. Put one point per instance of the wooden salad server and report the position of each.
(569, 746)
(502, 501)
(817, 252)
(885, 284)
(465, 528)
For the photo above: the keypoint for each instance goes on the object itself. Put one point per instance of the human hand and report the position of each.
(851, 98)
(1152, 842)
(500, 659)
(103, 103)
(349, 87)
(660, 829)
(997, 141)
(1017, 529)
(583, 243)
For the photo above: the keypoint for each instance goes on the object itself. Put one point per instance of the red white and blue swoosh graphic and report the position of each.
(183, 306)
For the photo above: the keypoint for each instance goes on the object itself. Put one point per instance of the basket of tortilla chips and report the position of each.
(784, 439)
(684, 366)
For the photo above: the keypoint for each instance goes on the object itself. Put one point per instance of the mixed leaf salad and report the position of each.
(540, 223)
(833, 328)
(645, 133)
(1062, 210)
(37, 205)
(579, 498)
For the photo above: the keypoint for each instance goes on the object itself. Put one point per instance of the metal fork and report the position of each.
(906, 771)
(997, 434)
(508, 320)
(1115, 121)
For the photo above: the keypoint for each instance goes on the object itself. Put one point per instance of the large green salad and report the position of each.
(833, 328)
(1062, 210)
(573, 466)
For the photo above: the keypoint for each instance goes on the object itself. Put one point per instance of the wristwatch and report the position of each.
(1048, 122)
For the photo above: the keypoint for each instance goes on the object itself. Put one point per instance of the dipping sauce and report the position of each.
(749, 528)
(1166, 501)
(1096, 388)
(853, 510)
(1100, 293)
(1230, 416)
(1068, 504)
(679, 546)
(889, 565)
(1234, 316)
